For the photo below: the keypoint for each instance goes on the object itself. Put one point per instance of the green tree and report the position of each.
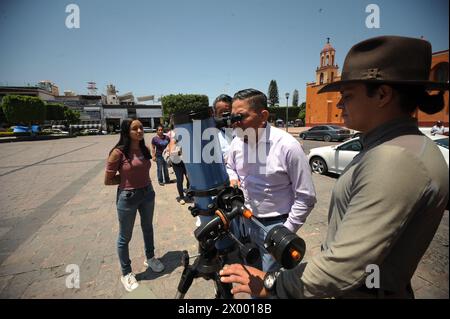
(2, 116)
(71, 116)
(182, 102)
(272, 97)
(23, 109)
(280, 113)
(54, 112)
(302, 113)
(295, 98)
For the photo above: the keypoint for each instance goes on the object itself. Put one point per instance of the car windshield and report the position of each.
(336, 127)
(442, 142)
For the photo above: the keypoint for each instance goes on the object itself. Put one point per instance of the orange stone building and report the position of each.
(321, 108)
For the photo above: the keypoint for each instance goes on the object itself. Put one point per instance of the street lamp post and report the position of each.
(287, 106)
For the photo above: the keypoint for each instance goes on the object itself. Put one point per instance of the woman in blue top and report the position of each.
(159, 143)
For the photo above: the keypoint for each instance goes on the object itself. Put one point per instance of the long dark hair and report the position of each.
(411, 98)
(124, 142)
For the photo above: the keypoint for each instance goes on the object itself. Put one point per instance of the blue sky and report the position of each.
(196, 46)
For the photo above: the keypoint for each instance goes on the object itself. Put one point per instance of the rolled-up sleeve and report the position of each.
(302, 186)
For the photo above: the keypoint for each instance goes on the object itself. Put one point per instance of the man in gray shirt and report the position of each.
(387, 205)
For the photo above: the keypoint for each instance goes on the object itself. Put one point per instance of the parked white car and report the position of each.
(55, 131)
(333, 159)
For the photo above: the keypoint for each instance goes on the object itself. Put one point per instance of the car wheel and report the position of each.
(318, 165)
(327, 138)
(303, 136)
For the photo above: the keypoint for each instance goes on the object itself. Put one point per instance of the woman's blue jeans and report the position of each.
(128, 203)
(161, 168)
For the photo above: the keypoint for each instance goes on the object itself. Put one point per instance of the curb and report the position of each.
(31, 138)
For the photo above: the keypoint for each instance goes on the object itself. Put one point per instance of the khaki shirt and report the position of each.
(384, 211)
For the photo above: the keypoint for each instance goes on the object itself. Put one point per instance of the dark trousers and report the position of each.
(180, 172)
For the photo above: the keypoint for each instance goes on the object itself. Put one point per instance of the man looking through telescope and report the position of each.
(278, 188)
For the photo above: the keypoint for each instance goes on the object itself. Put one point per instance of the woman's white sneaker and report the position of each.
(154, 264)
(129, 282)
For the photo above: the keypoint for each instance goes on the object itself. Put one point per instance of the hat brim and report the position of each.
(428, 85)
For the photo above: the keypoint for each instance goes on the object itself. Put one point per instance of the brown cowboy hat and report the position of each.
(388, 60)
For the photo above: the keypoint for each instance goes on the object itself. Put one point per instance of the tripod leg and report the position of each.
(223, 291)
(185, 281)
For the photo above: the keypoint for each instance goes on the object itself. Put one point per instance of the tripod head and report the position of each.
(286, 247)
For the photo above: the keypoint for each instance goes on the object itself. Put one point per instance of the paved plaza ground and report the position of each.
(55, 211)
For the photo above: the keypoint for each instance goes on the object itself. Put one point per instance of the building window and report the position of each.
(441, 72)
(321, 78)
(332, 59)
(332, 76)
(328, 60)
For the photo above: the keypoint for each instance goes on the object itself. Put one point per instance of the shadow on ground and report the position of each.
(171, 261)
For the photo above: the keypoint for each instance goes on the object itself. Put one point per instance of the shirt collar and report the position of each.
(389, 131)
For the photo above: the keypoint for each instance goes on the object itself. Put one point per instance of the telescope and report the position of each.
(219, 204)
(227, 119)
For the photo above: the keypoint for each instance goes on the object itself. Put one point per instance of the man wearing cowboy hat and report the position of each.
(387, 205)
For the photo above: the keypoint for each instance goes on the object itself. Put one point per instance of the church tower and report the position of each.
(321, 108)
(328, 70)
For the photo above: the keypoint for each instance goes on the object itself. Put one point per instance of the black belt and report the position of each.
(273, 219)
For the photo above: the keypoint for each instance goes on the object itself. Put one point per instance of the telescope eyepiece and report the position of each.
(228, 119)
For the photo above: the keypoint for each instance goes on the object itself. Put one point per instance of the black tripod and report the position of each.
(207, 266)
(286, 247)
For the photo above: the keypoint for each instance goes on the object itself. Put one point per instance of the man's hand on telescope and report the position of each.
(234, 182)
(249, 279)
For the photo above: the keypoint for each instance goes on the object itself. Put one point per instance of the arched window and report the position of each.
(332, 77)
(327, 59)
(321, 61)
(441, 72)
(321, 78)
(332, 59)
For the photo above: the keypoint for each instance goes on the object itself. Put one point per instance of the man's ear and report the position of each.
(385, 95)
(265, 115)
